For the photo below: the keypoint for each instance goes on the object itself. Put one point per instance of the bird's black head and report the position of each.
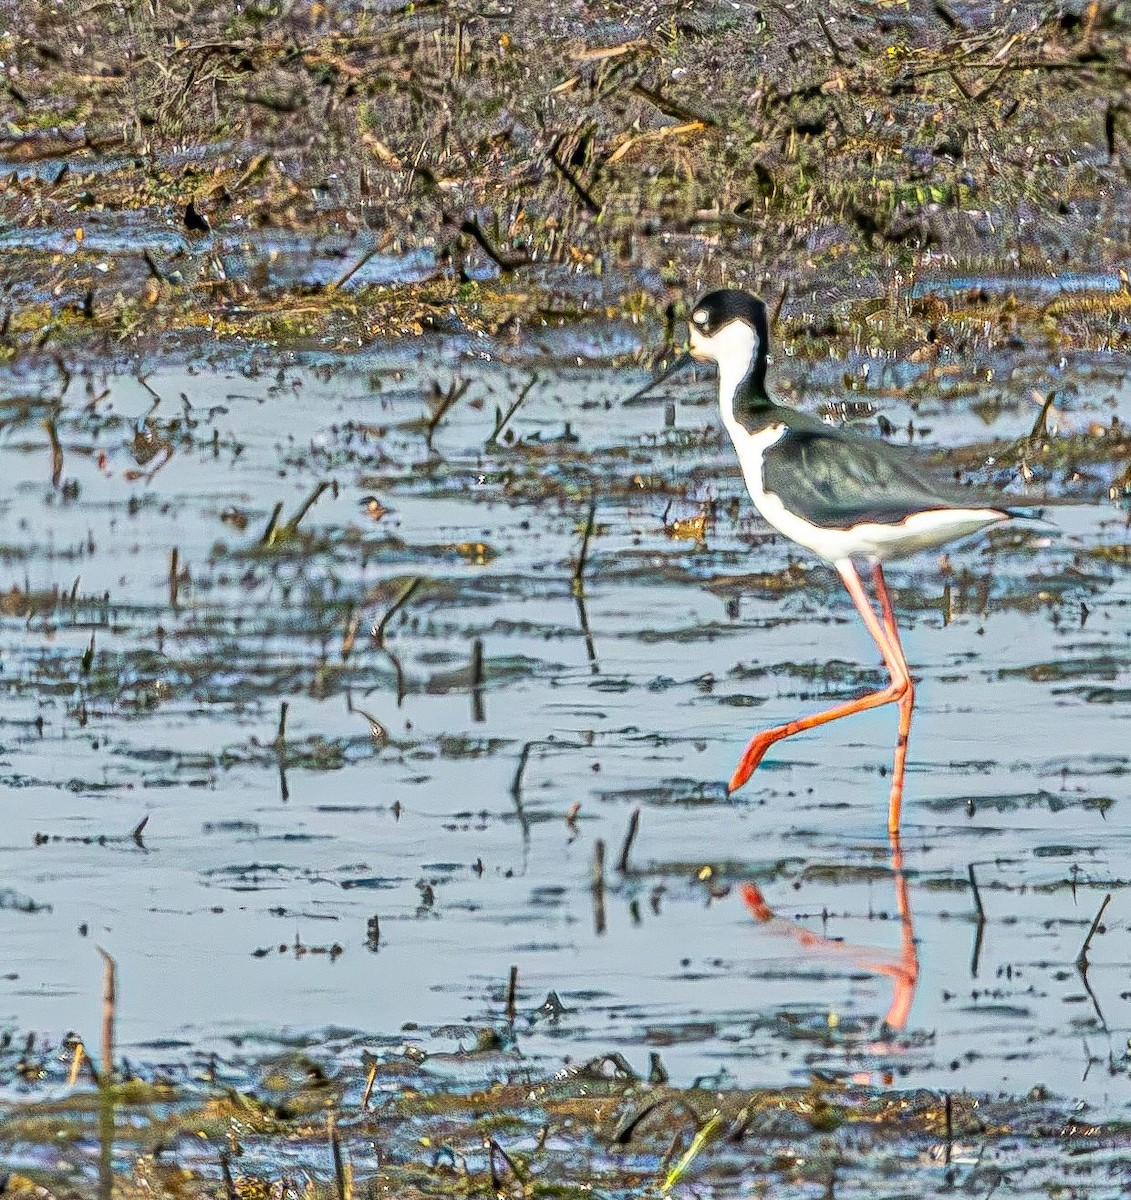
(730, 328)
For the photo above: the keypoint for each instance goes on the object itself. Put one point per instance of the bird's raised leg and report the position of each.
(900, 683)
(906, 700)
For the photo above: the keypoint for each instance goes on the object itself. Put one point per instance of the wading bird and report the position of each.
(846, 497)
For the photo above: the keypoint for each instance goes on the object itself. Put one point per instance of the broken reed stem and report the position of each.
(575, 183)
(523, 758)
(109, 1008)
(407, 592)
(309, 503)
(502, 421)
(512, 988)
(76, 1064)
(139, 830)
(341, 1178)
(597, 884)
(226, 1173)
(369, 1086)
(447, 399)
(629, 838)
(477, 663)
(512, 1166)
(1082, 957)
(1040, 425)
(978, 909)
(272, 525)
(583, 555)
(477, 711)
(353, 624)
(350, 272)
(505, 263)
(281, 736)
(174, 571)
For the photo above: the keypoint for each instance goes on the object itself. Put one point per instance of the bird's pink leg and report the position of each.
(900, 685)
(906, 701)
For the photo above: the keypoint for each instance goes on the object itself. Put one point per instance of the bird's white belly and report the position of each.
(920, 531)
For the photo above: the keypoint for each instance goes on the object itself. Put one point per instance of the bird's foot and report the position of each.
(750, 759)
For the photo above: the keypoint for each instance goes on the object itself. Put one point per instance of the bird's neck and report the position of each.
(742, 385)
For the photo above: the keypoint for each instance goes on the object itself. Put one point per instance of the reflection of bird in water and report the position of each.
(842, 495)
(901, 967)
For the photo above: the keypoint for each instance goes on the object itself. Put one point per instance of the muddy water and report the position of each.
(241, 916)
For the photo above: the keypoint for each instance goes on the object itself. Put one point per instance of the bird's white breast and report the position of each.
(874, 540)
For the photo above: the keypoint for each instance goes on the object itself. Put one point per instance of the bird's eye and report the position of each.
(700, 317)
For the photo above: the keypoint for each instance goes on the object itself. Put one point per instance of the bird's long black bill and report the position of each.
(684, 360)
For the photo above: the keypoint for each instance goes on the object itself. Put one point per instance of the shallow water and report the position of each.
(392, 794)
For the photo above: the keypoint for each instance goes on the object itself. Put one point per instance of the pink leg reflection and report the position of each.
(901, 967)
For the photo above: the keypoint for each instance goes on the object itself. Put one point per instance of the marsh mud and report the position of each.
(371, 669)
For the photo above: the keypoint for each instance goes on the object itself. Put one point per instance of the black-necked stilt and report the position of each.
(842, 495)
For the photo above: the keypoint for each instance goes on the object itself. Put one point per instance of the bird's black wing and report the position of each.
(835, 480)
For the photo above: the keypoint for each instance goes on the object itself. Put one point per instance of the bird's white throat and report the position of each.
(733, 348)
